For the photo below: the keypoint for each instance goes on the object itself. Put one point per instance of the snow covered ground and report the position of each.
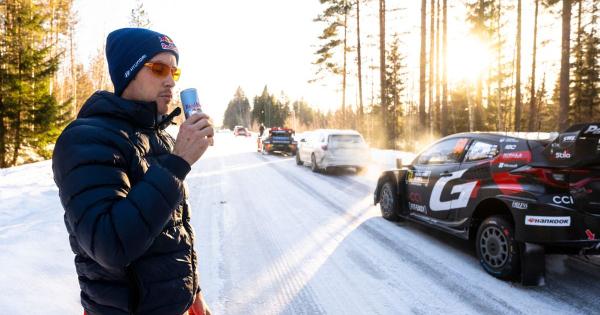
(275, 238)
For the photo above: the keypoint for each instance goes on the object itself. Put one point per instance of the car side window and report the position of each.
(445, 152)
(480, 150)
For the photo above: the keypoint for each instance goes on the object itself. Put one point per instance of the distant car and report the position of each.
(241, 131)
(278, 139)
(325, 149)
(516, 196)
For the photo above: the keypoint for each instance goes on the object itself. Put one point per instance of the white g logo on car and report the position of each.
(435, 203)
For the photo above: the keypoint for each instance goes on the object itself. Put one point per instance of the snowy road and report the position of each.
(275, 238)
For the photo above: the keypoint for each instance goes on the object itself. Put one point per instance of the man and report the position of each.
(120, 179)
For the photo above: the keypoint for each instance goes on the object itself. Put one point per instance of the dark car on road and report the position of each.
(516, 195)
(278, 139)
(241, 131)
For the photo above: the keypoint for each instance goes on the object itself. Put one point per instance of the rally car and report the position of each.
(516, 197)
(278, 139)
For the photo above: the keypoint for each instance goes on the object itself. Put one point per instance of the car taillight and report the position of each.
(548, 176)
(324, 147)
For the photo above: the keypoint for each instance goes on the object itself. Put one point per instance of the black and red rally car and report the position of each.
(278, 139)
(517, 197)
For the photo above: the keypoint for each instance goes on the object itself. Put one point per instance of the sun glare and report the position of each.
(468, 58)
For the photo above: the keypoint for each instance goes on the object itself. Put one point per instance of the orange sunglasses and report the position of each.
(162, 70)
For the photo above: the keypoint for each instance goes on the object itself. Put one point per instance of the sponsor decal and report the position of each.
(569, 138)
(592, 130)
(415, 197)
(547, 221)
(465, 190)
(591, 236)
(167, 43)
(513, 155)
(135, 65)
(417, 208)
(507, 165)
(563, 200)
(418, 177)
(562, 155)
(507, 140)
(510, 147)
(520, 205)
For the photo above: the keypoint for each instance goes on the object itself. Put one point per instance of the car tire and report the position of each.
(389, 202)
(497, 250)
(298, 160)
(313, 164)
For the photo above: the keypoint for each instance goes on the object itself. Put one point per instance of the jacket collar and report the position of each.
(140, 114)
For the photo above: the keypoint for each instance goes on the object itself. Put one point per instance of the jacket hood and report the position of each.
(141, 114)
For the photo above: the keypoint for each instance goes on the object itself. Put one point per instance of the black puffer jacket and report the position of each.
(125, 209)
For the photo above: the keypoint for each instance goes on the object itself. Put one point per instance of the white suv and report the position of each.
(328, 148)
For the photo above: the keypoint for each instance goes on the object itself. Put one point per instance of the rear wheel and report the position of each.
(298, 160)
(313, 163)
(389, 202)
(497, 249)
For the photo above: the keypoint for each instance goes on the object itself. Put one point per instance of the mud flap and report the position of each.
(533, 264)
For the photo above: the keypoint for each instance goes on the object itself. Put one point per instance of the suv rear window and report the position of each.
(345, 139)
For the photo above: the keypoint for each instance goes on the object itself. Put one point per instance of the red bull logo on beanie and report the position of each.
(167, 43)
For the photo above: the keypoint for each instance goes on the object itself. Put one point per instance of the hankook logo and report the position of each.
(547, 221)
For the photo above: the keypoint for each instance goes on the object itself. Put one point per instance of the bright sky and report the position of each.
(223, 44)
(230, 43)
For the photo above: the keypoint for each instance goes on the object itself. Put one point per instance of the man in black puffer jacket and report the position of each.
(120, 179)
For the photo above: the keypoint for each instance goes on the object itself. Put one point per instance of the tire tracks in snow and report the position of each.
(280, 286)
(476, 296)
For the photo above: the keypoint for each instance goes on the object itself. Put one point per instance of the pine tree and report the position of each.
(334, 16)
(238, 111)
(30, 114)
(139, 17)
(395, 78)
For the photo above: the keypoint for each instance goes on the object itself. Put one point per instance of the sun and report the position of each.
(468, 59)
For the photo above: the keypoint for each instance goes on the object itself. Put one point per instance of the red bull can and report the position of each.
(190, 102)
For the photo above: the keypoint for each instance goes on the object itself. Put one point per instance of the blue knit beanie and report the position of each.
(127, 50)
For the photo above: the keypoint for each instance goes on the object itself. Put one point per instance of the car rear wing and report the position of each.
(578, 146)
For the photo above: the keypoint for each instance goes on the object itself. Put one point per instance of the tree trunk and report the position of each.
(533, 102)
(382, 63)
(73, 73)
(431, 80)
(518, 75)
(444, 109)
(422, 67)
(500, 123)
(358, 52)
(563, 112)
(344, 74)
(476, 110)
(436, 106)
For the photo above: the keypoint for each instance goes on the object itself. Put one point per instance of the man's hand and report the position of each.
(199, 307)
(195, 135)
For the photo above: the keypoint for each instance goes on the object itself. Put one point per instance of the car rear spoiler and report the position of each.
(578, 146)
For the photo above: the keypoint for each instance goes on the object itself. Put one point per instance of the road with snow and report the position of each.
(276, 238)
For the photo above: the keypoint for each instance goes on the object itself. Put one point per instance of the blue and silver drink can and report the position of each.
(190, 102)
